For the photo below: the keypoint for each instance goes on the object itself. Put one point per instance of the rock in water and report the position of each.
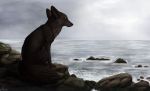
(94, 58)
(120, 60)
(91, 58)
(139, 66)
(76, 59)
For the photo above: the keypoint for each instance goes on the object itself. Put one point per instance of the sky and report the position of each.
(92, 19)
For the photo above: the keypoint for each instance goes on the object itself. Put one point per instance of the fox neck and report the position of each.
(53, 24)
(54, 27)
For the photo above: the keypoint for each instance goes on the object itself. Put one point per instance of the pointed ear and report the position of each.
(54, 11)
(48, 13)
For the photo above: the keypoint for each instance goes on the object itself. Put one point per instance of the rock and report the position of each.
(141, 77)
(140, 86)
(10, 59)
(8, 55)
(138, 79)
(142, 83)
(148, 78)
(102, 59)
(14, 52)
(94, 58)
(4, 48)
(43, 74)
(146, 66)
(76, 59)
(73, 84)
(120, 60)
(119, 81)
(91, 58)
(139, 66)
(90, 84)
(73, 75)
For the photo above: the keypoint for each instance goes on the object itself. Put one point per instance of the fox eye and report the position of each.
(65, 17)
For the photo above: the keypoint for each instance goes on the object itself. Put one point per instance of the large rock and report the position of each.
(4, 48)
(8, 55)
(91, 84)
(74, 84)
(117, 81)
(9, 60)
(141, 86)
(44, 74)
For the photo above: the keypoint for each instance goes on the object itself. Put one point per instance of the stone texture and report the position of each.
(117, 81)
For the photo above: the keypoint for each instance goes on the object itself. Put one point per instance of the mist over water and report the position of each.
(64, 51)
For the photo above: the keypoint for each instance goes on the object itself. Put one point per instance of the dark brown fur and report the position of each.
(36, 55)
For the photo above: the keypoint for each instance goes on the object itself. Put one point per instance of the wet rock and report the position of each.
(117, 81)
(14, 52)
(146, 66)
(14, 56)
(141, 77)
(142, 83)
(148, 78)
(73, 75)
(94, 58)
(90, 84)
(8, 55)
(140, 86)
(72, 81)
(73, 84)
(139, 66)
(138, 79)
(4, 48)
(10, 59)
(120, 60)
(76, 59)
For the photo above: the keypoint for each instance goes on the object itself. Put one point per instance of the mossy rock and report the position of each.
(4, 48)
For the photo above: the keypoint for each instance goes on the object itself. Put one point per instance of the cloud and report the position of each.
(98, 19)
(117, 19)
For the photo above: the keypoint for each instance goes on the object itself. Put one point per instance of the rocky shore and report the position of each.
(10, 78)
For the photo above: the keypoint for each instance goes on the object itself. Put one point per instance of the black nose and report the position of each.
(69, 24)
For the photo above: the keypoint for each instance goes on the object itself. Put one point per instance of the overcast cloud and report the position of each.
(93, 19)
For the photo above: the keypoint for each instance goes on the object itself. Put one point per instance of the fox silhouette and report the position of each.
(36, 54)
(36, 47)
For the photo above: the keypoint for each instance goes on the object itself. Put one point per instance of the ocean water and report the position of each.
(64, 51)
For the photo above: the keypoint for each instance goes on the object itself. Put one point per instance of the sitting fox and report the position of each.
(36, 55)
(36, 47)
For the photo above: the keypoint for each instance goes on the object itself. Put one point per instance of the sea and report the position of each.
(135, 52)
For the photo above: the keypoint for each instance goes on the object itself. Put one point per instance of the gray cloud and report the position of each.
(99, 19)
